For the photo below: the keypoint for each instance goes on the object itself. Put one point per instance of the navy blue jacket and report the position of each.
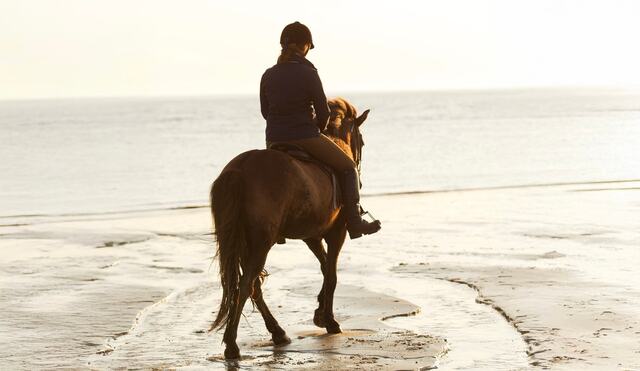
(292, 101)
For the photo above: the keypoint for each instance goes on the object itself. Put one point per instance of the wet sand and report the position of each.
(502, 279)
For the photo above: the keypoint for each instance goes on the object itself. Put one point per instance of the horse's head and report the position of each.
(344, 128)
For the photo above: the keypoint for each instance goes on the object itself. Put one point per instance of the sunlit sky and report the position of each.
(76, 48)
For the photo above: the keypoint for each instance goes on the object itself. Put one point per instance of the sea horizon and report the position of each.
(330, 93)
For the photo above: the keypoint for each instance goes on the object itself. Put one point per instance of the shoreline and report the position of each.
(56, 217)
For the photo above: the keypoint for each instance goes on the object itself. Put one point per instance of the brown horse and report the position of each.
(263, 196)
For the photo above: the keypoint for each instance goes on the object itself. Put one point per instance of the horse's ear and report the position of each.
(360, 119)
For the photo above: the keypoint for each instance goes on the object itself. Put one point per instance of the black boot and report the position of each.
(351, 197)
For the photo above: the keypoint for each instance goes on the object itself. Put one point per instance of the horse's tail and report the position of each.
(226, 209)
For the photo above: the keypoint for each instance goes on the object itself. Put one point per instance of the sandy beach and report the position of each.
(503, 279)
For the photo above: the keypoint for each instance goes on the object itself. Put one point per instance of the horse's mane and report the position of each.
(337, 132)
(341, 105)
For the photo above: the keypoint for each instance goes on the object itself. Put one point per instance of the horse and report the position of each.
(264, 196)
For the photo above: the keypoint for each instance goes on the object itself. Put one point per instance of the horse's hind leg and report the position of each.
(251, 268)
(278, 335)
(231, 350)
(315, 245)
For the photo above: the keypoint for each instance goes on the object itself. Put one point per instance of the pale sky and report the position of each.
(77, 48)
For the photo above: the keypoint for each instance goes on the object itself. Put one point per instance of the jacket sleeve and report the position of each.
(319, 100)
(264, 104)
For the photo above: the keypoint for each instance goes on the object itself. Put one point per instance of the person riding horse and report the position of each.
(295, 107)
(263, 196)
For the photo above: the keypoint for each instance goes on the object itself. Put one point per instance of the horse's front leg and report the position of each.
(335, 240)
(315, 245)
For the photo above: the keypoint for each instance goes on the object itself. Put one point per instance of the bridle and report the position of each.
(356, 149)
(356, 146)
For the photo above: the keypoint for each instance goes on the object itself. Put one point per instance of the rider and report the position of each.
(294, 104)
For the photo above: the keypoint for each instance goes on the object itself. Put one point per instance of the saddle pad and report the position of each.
(300, 154)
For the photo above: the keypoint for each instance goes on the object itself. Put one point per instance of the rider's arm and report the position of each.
(319, 102)
(264, 104)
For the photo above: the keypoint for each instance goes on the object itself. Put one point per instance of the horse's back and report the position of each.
(281, 191)
(265, 170)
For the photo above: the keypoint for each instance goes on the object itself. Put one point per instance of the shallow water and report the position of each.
(140, 290)
(110, 290)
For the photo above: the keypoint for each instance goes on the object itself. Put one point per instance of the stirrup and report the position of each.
(364, 213)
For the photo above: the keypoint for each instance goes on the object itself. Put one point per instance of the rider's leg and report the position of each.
(351, 191)
(325, 150)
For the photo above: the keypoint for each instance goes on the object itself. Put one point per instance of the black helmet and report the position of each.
(295, 33)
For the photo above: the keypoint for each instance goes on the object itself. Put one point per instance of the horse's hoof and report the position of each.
(231, 352)
(280, 340)
(318, 319)
(333, 328)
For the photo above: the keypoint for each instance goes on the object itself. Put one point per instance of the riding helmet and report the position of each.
(296, 33)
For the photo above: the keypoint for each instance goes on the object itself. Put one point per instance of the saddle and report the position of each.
(300, 154)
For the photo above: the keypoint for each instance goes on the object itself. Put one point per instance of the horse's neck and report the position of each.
(343, 146)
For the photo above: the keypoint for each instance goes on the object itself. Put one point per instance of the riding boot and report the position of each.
(351, 197)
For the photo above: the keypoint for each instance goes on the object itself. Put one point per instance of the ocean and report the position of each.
(100, 155)
(509, 240)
